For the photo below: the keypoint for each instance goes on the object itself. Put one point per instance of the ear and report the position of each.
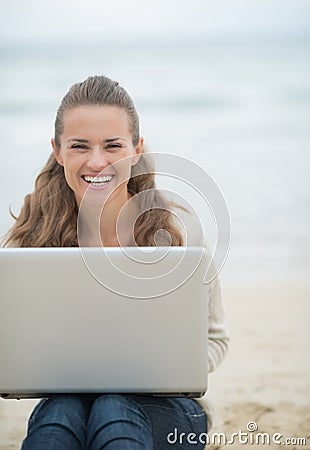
(57, 152)
(138, 151)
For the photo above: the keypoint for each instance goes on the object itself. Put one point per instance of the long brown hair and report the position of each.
(48, 217)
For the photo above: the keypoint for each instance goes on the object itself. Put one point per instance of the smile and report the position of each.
(97, 181)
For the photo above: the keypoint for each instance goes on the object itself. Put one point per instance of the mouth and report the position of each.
(97, 182)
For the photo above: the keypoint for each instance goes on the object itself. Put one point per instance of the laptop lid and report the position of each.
(95, 320)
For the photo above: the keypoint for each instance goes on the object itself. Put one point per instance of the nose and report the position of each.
(97, 160)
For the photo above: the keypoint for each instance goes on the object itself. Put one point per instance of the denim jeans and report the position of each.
(113, 421)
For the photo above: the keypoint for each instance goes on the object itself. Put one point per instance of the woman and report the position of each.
(97, 149)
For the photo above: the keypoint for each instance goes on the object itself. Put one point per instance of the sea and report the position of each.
(239, 109)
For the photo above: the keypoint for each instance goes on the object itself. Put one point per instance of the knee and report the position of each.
(114, 402)
(64, 410)
(114, 407)
(117, 418)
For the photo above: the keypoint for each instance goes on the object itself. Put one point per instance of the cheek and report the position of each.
(69, 179)
(124, 168)
(71, 162)
(125, 162)
(71, 166)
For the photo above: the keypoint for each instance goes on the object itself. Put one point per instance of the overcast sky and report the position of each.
(81, 20)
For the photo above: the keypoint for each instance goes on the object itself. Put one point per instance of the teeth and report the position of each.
(97, 179)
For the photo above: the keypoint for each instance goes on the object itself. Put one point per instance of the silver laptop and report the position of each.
(103, 320)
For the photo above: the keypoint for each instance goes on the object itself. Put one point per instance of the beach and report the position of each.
(265, 377)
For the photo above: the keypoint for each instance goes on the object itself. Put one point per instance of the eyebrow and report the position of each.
(85, 141)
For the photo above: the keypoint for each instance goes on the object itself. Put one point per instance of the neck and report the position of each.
(110, 226)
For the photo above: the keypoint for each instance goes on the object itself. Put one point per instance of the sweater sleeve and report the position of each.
(218, 337)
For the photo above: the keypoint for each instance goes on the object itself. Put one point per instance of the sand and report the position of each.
(265, 378)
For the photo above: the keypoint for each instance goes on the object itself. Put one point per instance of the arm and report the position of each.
(218, 338)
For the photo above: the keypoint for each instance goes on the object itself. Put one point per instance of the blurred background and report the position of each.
(225, 84)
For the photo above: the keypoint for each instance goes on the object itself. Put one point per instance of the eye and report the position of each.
(79, 146)
(113, 146)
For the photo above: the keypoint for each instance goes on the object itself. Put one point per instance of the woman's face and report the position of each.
(97, 139)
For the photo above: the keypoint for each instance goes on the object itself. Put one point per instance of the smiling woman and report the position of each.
(99, 168)
(96, 149)
(97, 153)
